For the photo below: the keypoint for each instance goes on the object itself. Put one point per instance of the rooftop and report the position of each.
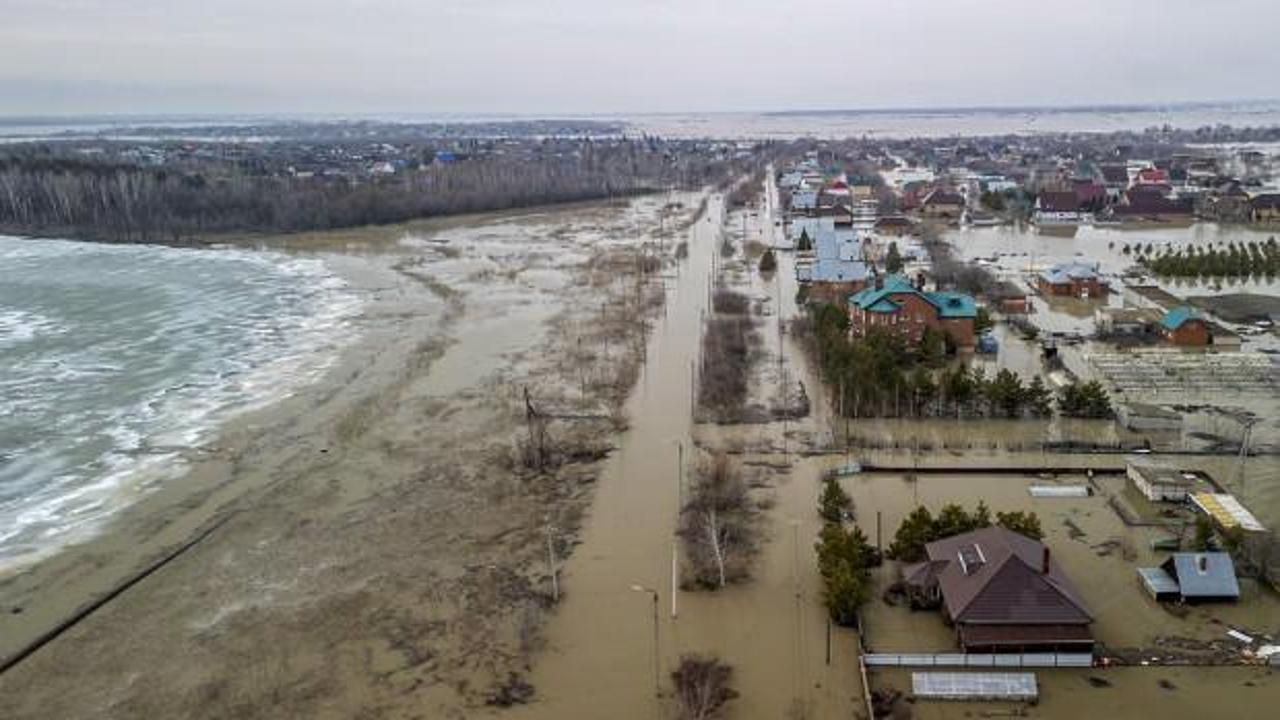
(1178, 317)
(1007, 583)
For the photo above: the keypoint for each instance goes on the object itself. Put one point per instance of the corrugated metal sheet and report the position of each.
(1227, 511)
(1157, 581)
(974, 686)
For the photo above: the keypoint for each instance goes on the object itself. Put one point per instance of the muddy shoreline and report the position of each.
(382, 547)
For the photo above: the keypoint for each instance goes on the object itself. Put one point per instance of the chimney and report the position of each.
(879, 281)
(1044, 562)
(1202, 564)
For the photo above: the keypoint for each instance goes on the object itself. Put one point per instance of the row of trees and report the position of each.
(1232, 260)
(880, 376)
(1089, 400)
(922, 527)
(845, 558)
(123, 202)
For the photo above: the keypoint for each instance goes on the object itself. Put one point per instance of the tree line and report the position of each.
(104, 199)
(845, 558)
(1232, 260)
(922, 527)
(879, 376)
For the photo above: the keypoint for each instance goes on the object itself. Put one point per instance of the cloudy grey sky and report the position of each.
(624, 56)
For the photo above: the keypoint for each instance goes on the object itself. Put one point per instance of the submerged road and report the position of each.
(599, 661)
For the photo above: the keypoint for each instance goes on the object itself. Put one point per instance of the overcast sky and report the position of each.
(624, 56)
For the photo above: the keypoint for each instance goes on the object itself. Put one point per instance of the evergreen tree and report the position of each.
(893, 259)
(768, 263)
(804, 244)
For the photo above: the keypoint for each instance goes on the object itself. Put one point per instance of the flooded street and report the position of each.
(771, 628)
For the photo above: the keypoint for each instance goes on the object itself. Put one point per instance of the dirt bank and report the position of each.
(384, 548)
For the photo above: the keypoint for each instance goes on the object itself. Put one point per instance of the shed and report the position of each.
(1159, 583)
(1205, 576)
(1157, 481)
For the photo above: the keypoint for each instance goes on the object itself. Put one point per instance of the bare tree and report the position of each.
(702, 685)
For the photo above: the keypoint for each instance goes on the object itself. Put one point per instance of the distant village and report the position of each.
(1064, 267)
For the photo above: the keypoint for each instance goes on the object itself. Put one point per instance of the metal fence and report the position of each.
(980, 660)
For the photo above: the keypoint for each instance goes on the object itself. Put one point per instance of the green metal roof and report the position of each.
(953, 304)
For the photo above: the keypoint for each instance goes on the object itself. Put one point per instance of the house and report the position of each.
(1071, 279)
(895, 225)
(1057, 207)
(895, 305)
(1132, 322)
(1091, 196)
(1157, 481)
(803, 201)
(1154, 178)
(832, 280)
(1115, 178)
(1009, 299)
(1184, 326)
(1193, 577)
(1144, 202)
(1265, 207)
(943, 204)
(1228, 204)
(1002, 592)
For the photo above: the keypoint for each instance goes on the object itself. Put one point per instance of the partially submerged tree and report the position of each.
(834, 502)
(702, 687)
(844, 561)
(717, 525)
(768, 262)
(893, 259)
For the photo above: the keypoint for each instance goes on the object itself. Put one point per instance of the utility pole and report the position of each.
(551, 565)
(657, 671)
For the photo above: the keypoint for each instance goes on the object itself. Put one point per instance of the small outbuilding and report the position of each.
(1193, 577)
(1159, 482)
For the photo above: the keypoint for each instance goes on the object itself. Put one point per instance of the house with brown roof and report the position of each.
(1147, 202)
(943, 203)
(1265, 207)
(1002, 592)
(1057, 207)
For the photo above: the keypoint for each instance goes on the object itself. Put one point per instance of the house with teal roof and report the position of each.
(1185, 326)
(893, 304)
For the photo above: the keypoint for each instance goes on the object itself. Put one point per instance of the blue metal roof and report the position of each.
(1158, 581)
(1206, 575)
(1176, 317)
(832, 270)
(1066, 272)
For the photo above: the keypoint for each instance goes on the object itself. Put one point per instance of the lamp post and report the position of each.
(657, 672)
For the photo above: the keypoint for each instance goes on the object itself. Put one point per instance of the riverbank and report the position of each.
(380, 541)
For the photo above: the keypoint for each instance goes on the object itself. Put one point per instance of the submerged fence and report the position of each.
(980, 660)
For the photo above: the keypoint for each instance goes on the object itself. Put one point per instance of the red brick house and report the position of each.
(893, 304)
(1184, 326)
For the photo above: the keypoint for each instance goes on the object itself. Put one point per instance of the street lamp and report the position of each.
(657, 672)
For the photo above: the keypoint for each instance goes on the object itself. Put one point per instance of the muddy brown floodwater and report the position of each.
(378, 544)
(772, 629)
